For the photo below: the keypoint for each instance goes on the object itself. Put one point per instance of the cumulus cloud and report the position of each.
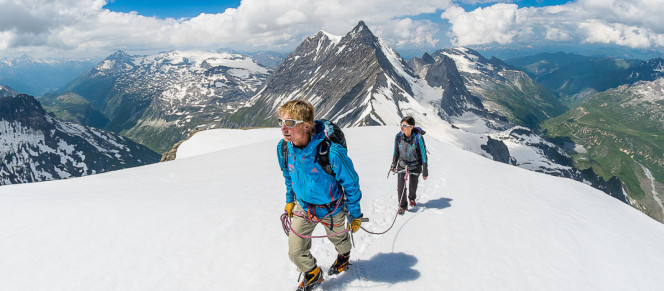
(498, 23)
(85, 27)
(637, 24)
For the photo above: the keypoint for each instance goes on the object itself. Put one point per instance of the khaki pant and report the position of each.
(298, 248)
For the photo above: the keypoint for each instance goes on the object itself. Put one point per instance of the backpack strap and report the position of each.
(323, 156)
(284, 154)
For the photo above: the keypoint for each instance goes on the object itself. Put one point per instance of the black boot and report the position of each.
(340, 265)
(311, 279)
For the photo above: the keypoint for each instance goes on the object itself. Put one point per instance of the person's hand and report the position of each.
(425, 177)
(289, 209)
(355, 224)
(394, 170)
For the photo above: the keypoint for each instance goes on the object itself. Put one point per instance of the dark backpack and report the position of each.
(333, 134)
(416, 131)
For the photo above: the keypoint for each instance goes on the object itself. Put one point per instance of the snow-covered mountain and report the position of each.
(501, 88)
(156, 100)
(6, 91)
(270, 59)
(36, 76)
(35, 146)
(486, 99)
(353, 80)
(210, 221)
(358, 80)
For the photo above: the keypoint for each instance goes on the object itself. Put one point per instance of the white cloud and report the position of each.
(85, 27)
(556, 34)
(616, 33)
(407, 32)
(499, 23)
(637, 24)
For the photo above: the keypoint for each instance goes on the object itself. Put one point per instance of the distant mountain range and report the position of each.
(497, 109)
(36, 146)
(157, 100)
(36, 76)
(573, 77)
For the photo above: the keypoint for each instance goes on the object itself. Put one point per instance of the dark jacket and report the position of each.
(410, 152)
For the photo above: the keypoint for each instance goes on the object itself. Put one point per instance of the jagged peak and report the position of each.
(427, 58)
(362, 29)
(119, 54)
(360, 26)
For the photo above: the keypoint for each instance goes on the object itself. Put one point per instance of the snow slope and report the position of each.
(210, 221)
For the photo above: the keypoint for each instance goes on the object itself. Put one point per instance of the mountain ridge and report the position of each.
(36, 146)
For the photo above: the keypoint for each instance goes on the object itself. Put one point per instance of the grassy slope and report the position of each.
(617, 135)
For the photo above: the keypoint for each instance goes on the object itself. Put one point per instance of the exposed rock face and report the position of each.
(456, 97)
(35, 146)
(345, 78)
(498, 150)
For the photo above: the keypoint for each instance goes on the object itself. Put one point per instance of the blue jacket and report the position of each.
(307, 182)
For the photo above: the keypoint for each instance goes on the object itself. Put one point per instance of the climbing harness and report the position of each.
(286, 222)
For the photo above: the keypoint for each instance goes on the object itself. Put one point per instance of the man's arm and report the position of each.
(347, 178)
(283, 164)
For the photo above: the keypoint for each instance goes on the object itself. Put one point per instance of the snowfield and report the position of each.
(210, 221)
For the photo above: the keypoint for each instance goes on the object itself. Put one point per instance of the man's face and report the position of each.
(298, 134)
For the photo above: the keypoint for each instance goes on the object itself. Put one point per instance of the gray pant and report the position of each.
(298, 248)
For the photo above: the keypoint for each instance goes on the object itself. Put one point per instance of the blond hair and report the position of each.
(299, 110)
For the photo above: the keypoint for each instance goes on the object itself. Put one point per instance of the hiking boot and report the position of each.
(340, 265)
(412, 203)
(402, 211)
(311, 279)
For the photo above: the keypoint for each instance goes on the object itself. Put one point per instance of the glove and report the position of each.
(355, 224)
(289, 209)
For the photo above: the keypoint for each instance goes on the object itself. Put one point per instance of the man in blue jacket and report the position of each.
(312, 195)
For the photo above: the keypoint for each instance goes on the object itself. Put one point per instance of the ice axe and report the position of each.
(352, 240)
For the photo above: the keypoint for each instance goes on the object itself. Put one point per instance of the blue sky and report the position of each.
(97, 28)
(171, 8)
(192, 8)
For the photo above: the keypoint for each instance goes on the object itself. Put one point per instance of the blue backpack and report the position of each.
(333, 134)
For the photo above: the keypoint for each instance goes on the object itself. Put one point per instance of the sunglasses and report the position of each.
(290, 123)
(406, 125)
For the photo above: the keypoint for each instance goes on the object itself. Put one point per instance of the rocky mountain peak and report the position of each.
(115, 63)
(119, 55)
(360, 27)
(23, 108)
(427, 58)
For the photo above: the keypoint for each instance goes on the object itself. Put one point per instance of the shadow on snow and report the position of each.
(387, 268)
